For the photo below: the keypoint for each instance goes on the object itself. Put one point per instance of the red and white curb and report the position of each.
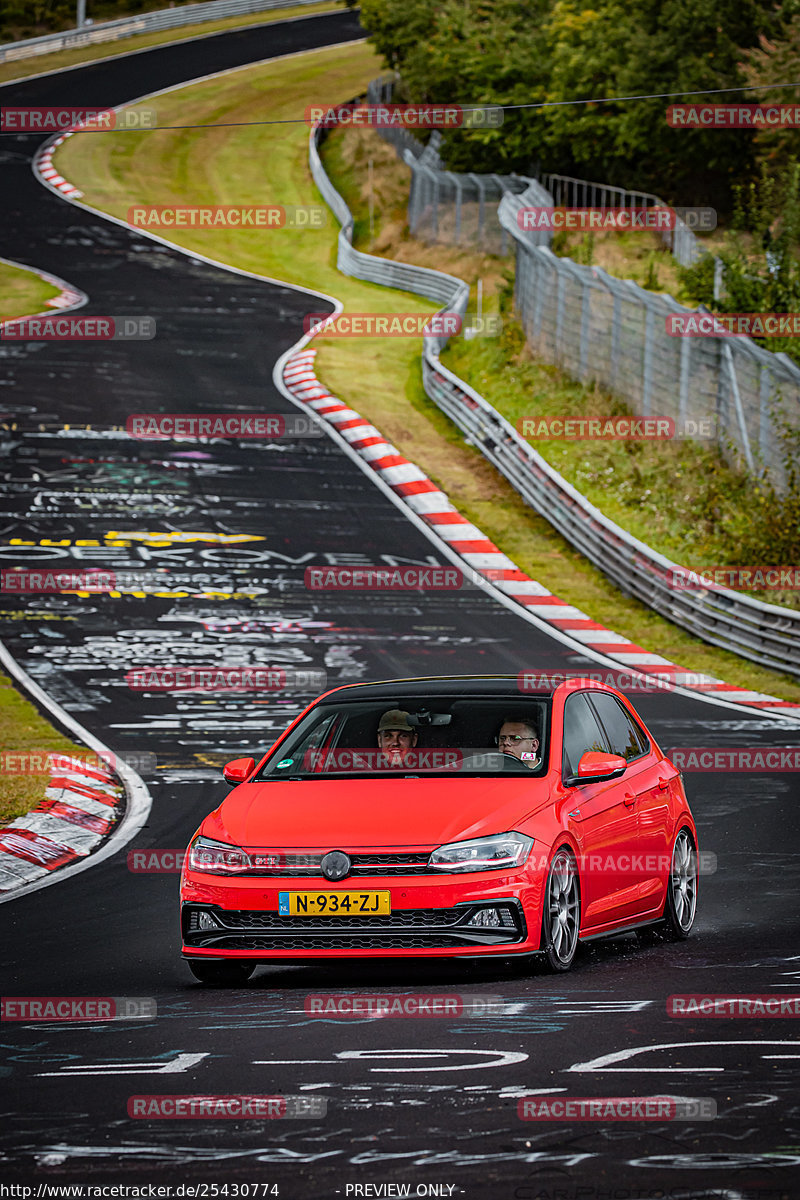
(67, 298)
(483, 557)
(43, 163)
(80, 808)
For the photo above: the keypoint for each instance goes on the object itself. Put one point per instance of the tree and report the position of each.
(776, 61)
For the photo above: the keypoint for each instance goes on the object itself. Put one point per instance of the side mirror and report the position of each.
(238, 770)
(596, 766)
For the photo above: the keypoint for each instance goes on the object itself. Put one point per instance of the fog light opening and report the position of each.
(206, 921)
(492, 918)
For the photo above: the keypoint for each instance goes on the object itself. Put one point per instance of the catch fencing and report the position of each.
(151, 22)
(765, 633)
(601, 329)
(580, 193)
(612, 332)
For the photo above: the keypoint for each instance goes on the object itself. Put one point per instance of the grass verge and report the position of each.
(379, 377)
(23, 292)
(25, 730)
(145, 41)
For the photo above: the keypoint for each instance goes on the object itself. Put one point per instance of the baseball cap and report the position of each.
(395, 718)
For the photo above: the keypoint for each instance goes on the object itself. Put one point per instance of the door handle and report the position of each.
(663, 784)
(629, 799)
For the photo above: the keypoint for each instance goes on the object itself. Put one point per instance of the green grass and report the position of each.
(378, 377)
(25, 730)
(23, 292)
(73, 58)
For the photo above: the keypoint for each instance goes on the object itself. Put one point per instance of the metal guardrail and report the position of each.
(763, 633)
(151, 22)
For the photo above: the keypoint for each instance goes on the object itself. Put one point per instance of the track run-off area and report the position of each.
(426, 1103)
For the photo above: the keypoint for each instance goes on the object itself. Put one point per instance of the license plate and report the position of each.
(334, 904)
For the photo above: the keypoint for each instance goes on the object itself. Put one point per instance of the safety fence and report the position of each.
(765, 633)
(151, 22)
(599, 328)
(611, 331)
(581, 193)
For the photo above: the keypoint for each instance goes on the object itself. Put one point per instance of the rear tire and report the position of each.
(561, 916)
(222, 974)
(680, 906)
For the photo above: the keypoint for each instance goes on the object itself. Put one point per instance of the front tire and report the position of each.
(222, 974)
(561, 918)
(680, 906)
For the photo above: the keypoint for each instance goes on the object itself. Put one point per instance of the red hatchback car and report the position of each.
(445, 817)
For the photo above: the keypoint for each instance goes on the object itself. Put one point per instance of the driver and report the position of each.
(518, 737)
(396, 737)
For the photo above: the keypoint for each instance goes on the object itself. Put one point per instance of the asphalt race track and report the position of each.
(417, 1102)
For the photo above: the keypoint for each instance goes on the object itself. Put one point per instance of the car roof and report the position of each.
(504, 687)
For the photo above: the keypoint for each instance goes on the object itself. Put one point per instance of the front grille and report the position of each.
(410, 918)
(307, 866)
(410, 929)
(350, 941)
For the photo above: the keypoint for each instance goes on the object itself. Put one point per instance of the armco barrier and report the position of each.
(151, 22)
(764, 633)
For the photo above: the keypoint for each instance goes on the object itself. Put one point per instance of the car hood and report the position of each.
(362, 813)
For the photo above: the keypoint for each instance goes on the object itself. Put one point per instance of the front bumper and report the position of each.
(428, 919)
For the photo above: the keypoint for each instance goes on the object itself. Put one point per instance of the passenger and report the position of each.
(397, 737)
(518, 737)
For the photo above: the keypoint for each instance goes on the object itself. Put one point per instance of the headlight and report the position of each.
(219, 858)
(503, 851)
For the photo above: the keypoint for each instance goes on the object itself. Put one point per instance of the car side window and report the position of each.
(624, 735)
(582, 732)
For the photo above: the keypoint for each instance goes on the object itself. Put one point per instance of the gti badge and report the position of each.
(335, 865)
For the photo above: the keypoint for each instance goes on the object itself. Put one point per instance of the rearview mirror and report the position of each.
(238, 770)
(596, 766)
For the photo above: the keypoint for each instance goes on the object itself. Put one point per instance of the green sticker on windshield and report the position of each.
(285, 762)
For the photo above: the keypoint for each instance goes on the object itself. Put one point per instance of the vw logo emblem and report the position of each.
(335, 865)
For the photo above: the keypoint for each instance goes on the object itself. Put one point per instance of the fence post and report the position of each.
(559, 309)
(764, 415)
(737, 401)
(647, 360)
(683, 399)
(586, 294)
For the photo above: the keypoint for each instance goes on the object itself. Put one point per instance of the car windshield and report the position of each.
(414, 736)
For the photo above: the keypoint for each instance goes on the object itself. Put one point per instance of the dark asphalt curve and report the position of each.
(426, 1104)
